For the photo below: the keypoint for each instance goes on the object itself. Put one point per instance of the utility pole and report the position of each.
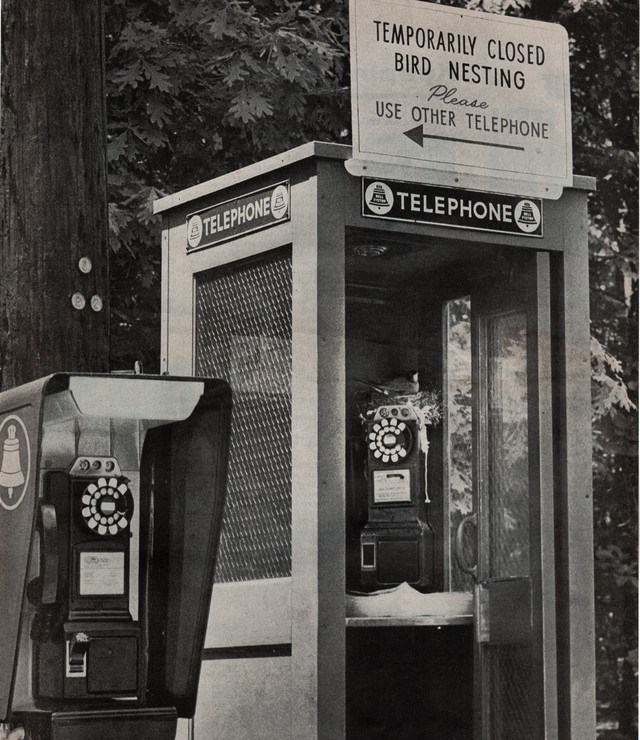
(54, 275)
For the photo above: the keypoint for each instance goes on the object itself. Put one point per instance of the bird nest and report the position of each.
(426, 405)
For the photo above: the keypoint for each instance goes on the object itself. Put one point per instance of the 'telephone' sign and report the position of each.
(406, 201)
(465, 92)
(247, 213)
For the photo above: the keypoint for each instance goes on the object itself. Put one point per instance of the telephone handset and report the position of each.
(397, 542)
(49, 556)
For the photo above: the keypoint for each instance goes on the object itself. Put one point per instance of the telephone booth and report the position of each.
(406, 548)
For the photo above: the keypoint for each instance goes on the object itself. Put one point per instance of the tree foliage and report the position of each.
(197, 88)
(604, 39)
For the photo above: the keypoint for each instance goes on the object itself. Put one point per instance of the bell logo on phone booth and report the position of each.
(528, 216)
(379, 197)
(194, 228)
(280, 202)
(14, 462)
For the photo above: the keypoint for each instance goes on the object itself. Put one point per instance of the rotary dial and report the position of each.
(389, 440)
(107, 506)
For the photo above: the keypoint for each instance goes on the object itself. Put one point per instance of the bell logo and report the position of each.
(194, 231)
(15, 463)
(280, 201)
(527, 216)
(379, 198)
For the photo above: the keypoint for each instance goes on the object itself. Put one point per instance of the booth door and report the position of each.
(514, 589)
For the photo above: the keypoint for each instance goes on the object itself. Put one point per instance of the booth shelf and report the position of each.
(403, 606)
(423, 621)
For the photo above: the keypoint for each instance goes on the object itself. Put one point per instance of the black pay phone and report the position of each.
(85, 556)
(109, 536)
(397, 543)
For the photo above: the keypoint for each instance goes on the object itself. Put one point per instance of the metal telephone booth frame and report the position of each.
(274, 279)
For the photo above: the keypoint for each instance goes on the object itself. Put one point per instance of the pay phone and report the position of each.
(397, 542)
(108, 545)
(85, 525)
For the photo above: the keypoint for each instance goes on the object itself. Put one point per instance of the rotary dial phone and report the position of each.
(397, 542)
(108, 505)
(390, 440)
(88, 642)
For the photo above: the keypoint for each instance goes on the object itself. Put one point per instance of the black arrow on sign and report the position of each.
(417, 135)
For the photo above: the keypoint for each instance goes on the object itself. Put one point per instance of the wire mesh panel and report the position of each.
(512, 699)
(243, 334)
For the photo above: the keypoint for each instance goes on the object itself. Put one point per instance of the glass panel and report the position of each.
(243, 334)
(508, 461)
(512, 669)
(458, 442)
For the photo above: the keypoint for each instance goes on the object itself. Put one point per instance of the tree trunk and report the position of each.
(53, 206)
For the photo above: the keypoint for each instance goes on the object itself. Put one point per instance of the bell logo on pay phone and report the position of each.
(397, 542)
(112, 491)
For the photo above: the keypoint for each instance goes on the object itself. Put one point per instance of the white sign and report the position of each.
(102, 573)
(391, 486)
(477, 99)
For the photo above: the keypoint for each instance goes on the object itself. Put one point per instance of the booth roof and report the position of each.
(320, 149)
